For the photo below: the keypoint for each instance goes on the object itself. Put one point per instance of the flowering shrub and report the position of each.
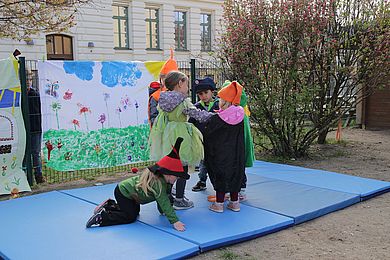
(303, 62)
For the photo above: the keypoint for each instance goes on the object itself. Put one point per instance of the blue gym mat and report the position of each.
(211, 230)
(203, 227)
(52, 226)
(301, 202)
(298, 201)
(366, 188)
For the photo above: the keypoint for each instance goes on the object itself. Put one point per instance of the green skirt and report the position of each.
(163, 137)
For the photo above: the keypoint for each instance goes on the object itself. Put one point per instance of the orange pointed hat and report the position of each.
(169, 65)
(231, 93)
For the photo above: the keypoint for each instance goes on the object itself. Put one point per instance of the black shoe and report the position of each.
(39, 179)
(199, 186)
(96, 219)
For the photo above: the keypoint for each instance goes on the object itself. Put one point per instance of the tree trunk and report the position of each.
(322, 136)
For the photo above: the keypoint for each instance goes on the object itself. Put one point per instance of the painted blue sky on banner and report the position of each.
(89, 95)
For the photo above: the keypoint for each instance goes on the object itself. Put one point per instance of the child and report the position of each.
(154, 87)
(150, 186)
(224, 148)
(204, 89)
(249, 149)
(174, 108)
(169, 65)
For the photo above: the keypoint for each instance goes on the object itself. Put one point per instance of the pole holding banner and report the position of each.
(193, 75)
(26, 118)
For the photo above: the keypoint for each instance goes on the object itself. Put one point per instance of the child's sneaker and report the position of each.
(201, 185)
(109, 204)
(184, 203)
(96, 219)
(216, 207)
(234, 205)
(242, 196)
(173, 191)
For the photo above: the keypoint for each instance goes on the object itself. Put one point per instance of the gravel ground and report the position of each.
(361, 231)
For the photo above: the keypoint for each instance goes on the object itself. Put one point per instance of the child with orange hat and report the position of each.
(248, 140)
(172, 121)
(225, 149)
(151, 185)
(169, 65)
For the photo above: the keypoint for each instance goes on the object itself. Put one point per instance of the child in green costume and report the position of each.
(174, 109)
(150, 186)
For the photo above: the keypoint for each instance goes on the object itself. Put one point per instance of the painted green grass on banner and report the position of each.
(75, 150)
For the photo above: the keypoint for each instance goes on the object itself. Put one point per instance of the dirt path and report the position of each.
(361, 231)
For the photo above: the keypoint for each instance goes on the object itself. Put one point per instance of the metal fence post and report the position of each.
(193, 75)
(26, 118)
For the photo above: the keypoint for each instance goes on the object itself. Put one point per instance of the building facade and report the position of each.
(130, 30)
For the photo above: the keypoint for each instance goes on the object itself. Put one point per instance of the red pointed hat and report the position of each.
(171, 164)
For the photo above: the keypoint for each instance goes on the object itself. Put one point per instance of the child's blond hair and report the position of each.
(173, 78)
(224, 104)
(147, 180)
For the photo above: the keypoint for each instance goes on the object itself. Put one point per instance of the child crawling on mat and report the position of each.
(152, 185)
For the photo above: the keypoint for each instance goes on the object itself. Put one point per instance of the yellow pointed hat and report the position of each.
(169, 65)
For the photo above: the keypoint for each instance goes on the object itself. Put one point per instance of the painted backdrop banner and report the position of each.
(12, 132)
(95, 114)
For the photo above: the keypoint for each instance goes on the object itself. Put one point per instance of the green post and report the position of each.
(193, 75)
(26, 117)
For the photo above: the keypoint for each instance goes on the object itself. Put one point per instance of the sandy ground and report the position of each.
(361, 231)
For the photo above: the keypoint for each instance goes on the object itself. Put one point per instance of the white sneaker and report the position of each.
(242, 196)
(179, 204)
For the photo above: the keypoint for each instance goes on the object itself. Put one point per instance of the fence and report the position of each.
(29, 76)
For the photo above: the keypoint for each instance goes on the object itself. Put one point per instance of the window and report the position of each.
(205, 32)
(59, 47)
(180, 31)
(152, 32)
(121, 27)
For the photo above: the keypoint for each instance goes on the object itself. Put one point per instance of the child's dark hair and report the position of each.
(173, 78)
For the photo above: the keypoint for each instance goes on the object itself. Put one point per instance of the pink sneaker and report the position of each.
(216, 207)
(234, 205)
(108, 203)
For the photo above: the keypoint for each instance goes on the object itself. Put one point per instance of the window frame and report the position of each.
(203, 25)
(150, 21)
(184, 23)
(62, 56)
(118, 19)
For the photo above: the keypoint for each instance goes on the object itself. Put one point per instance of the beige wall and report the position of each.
(95, 24)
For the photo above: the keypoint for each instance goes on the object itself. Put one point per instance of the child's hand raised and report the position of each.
(179, 226)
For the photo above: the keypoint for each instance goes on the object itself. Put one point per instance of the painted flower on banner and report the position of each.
(84, 110)
(106, 97)
(115, 73)
(75, 123)
(82, 69)
(125, 102)
(102, 119)
(68, 95)
(118, 111)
